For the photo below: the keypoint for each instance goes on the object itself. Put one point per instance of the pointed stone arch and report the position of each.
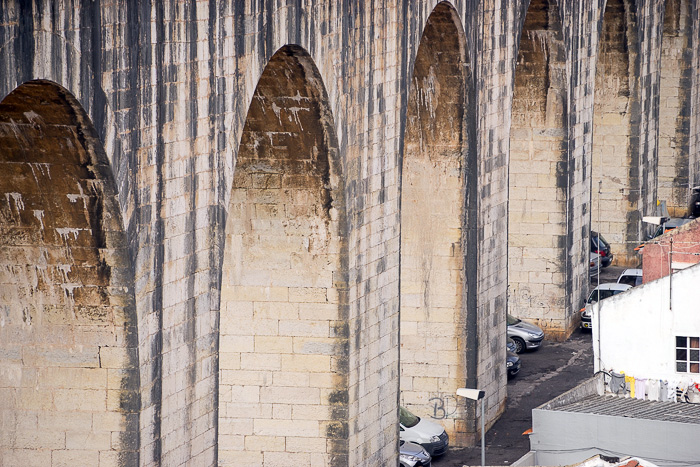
(70, 377)
(283, 393)
(538, 174)
(438, 254)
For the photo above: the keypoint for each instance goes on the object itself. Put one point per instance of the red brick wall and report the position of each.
(681, 245)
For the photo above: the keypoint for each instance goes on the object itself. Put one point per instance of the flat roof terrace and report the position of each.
(581, 423)
(616, 406)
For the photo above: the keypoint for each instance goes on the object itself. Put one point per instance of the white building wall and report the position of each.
(635, 331)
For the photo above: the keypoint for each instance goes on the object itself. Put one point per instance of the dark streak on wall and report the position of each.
(191, 318)
(24, 42)
(157, 239)
(633, 217)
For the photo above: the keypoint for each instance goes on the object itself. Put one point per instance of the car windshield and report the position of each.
(603, 294)
(512, 320)
(407, 419)
(630, 280)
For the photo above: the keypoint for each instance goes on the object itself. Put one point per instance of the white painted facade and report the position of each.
(634, 332)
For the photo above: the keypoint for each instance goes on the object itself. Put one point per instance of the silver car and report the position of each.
(413, 455)
(526, 335)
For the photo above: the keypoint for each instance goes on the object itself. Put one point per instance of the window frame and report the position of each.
(687, 354)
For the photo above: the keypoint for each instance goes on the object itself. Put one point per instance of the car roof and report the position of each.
(613, 286)
(631, 272)
(677, 222)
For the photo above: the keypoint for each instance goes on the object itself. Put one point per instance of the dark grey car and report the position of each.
(512, 359)
(413, 455)
(602, 247)
(526, 335)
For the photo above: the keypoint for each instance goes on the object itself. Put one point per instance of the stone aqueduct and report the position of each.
(242, 233)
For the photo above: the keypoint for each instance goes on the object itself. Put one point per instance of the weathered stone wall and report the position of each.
(646, 155)
(69, 367)
(140, 87)
(547, 272)
(369, 128)
(613, 129)
(551, 138)
(284, 331)
(674, 106)
(436, 157)
(582, 32)
(171, 91)
(495, 54)
(694, 121)
(471, 294)
(537, 257)
(653, 110)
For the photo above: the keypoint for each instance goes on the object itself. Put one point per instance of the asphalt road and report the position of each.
(609, 274)
(546, 373)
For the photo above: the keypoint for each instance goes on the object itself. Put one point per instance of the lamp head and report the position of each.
(473, 394)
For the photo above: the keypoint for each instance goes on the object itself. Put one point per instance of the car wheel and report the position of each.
(519, 344)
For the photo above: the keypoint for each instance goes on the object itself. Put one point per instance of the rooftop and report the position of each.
(615, 406)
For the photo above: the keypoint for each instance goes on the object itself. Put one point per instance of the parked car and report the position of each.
(594, 265)
(667, 224)
(428, 434)
(631, 277)
(512, 359)
(602, 247)
(694, 202)
(413, 455)
(525, 335)
(601, 292)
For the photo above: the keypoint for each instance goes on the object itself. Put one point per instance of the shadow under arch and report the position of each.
(66, 287)
(539, 269)
(284, 333)
(439, 343)
(90, 97)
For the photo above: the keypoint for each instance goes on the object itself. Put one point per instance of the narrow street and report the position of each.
(546, 373)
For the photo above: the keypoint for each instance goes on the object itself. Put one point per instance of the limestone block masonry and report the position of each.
(245, 232)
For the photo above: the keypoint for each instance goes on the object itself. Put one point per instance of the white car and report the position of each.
(630, 276)
(601, 292)
(430, 435)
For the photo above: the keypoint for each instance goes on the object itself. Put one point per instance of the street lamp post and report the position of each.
(475, 395)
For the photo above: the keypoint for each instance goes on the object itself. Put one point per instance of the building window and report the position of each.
(688, 354)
